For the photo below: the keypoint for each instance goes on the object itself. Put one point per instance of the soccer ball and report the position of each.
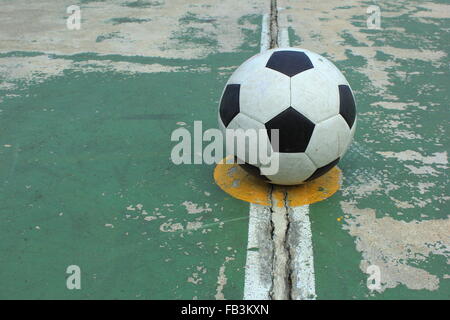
(305, 97)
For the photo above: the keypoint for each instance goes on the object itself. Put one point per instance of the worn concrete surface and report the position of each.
(85, 123)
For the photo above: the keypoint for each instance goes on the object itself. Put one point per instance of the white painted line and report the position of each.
(265, 33)
(283, 31)
(258, 267)
(302, 260)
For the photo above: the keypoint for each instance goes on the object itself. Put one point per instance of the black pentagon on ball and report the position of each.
(295, 131)
(229, 105)
(322, 170)
(289, 62)
(347, 107)
(254, 171)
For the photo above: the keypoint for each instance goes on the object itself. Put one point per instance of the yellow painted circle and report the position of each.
(238, 183)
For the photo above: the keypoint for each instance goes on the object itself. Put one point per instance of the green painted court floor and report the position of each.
(85, 172)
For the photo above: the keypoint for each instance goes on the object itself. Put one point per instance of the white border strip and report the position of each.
(265, 33)
(301, 250)
(283, 31)
(258, 267)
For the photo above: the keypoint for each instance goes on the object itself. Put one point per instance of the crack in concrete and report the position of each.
(272, 230)
(280, 222)
(287, 245)
(273, 28)
(281, 271)
(284, 266)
